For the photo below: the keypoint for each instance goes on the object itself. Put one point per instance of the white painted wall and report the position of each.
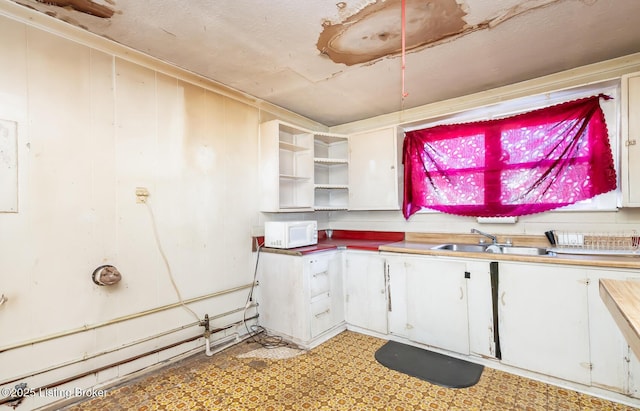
(92, 126)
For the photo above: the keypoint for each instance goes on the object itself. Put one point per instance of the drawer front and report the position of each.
(319, 283)
(321, 316)
(318, 265)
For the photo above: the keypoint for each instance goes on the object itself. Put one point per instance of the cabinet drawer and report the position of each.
(321, 316)
(319, 283)
(318, 265)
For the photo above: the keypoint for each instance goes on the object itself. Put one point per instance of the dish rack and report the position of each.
(614, 243)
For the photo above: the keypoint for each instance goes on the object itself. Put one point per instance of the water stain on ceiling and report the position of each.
(337, 61)
(374, 32)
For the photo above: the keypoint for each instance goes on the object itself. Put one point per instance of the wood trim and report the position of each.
(439, 238)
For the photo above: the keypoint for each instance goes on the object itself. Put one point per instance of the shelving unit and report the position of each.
(331, 172)
(302, 170)
(286, 163)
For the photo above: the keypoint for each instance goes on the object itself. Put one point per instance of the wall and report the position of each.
(96, 121)
(623, 219)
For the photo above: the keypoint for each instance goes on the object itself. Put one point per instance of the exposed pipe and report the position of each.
(125, 361)
(121, 319)
(207, 335)
(140, 341)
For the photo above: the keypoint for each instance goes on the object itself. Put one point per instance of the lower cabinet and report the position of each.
(544, 321)
(429, 303)
(301, 297)
(614, 366)
(365, 291)
(437, 304)
(550, 318)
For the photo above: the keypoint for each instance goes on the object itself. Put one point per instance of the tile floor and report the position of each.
(341, 374)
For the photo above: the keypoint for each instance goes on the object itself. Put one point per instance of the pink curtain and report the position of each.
(524, 164)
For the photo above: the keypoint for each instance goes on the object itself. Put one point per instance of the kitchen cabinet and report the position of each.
(630, 167)
(375, 170)
(544, 321)
(301, 297)
(441, 302)
(437, 303)
(614, 365)
(286, 167)
(396, 269)
(331, 172)
(302, 170)
(365, 289)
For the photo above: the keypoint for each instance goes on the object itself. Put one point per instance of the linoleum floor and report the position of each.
(341, 374)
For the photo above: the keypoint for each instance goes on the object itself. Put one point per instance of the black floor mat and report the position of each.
(430, 366)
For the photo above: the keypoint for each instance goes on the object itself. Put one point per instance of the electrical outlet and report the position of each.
(141, 195)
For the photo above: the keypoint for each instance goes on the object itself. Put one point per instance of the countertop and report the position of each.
(622, 299)
(343, 239)
(422, 243)
(412, 247)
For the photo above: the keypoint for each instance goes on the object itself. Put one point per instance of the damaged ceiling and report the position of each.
(337, 62)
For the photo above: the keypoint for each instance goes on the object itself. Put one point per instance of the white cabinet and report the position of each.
(437, 303)
(375, 172)
(365, 290)
(441, 302)
(301, 297)
(630, 168)
(286, 168)
(543, 320)
(331, 172)
(614, 365)
(396, 267)
(302, 170)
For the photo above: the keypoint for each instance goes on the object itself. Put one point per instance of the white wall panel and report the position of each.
(92, 128)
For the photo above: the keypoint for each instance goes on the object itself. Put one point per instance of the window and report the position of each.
(522, 164)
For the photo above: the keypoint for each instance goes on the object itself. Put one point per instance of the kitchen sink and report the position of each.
(491, 248)
(525, 250)
(469, 248)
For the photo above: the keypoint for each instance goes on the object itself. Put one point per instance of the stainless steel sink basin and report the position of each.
(469, 248)
(524, 250)
(492, 248)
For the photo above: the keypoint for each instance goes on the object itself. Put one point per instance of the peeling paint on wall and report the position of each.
(84, 6)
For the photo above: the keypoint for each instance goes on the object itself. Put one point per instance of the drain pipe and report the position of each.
(207, 335)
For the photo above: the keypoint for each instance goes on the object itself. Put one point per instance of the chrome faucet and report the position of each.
(494, 239)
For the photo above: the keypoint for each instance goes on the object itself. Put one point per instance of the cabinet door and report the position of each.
(396, 266)
(374, 170)
(480, 303)
(365, 291)
(437, 303)
(631, 140)
(614, 365)
(543, 320)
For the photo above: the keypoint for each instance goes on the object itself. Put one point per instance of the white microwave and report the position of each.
(290, 234)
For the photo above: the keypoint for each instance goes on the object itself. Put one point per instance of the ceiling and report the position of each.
(337, 62)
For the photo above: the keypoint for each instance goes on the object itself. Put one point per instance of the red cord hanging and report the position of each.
(404, 23)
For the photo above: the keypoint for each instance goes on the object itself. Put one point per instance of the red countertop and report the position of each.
(358, 240)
